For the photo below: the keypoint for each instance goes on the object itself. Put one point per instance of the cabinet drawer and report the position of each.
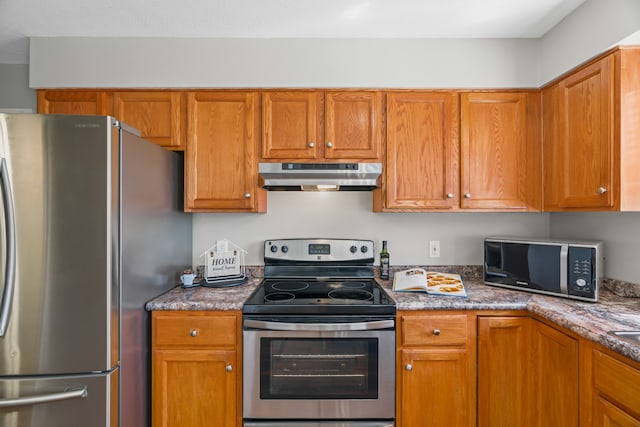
(617, 380)
(434, 330)
(194, 330)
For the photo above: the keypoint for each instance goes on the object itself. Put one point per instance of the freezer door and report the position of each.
(58, 241)
(60, 401)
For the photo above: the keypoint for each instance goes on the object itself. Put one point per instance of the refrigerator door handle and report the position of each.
(44, 398)
(10, 229)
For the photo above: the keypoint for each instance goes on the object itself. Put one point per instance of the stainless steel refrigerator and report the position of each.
(91, 227)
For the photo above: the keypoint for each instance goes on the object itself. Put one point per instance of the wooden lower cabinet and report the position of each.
(503, 371)
(527, 374)
(610, 389)
(196, 369)
(435, 383)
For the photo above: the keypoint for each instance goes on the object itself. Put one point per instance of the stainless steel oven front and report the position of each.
(320, 371)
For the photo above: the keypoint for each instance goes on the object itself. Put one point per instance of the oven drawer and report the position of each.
(194, 329)
(436, 330)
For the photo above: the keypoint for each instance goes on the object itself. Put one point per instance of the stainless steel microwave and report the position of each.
(565, 268)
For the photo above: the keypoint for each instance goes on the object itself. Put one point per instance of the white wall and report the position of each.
(592, 28)
(619, 231)
(14, 87)
(222, 63)
(349, 215)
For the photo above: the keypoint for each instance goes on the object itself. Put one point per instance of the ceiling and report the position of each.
(20, 19)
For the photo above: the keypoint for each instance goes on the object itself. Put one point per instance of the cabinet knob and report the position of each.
(311, 144)
(247, 195)
(408, 367)
(449, 195)
(329, 144)
(228, 368)
(194, 333)
(436, 332)
(467, 195)
(602, 190)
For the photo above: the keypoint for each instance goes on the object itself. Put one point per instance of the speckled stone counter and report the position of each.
(589, 320)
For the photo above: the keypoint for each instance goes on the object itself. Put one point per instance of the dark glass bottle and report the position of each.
(384, 261)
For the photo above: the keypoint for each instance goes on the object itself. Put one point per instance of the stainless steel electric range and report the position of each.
(319, 338)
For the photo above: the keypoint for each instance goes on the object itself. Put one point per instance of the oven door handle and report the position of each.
(323, 327)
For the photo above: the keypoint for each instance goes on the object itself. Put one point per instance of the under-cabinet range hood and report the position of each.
(320, 176)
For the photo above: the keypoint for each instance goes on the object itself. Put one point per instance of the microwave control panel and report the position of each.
(582, 274)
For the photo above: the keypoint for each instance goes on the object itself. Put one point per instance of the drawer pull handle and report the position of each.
(329, 144)
(228, 368)
(467, 195)
(247, 195)
(408, 367)
(449, 195)
(602, 190)
(436, 332)
(193, 333)
(311, 144)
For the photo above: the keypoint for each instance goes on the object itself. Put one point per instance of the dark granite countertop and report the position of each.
(589, 320)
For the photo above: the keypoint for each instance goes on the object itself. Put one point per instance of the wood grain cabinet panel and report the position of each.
(353, 125)
(290, 125)
(500, 151)
(83, 102)
(435, 382)
(196, 377)
(422, 151)
(504, 397)
(160, 116)
(221, 162)
(591, 136)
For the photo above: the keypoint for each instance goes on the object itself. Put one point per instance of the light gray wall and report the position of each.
(14, 87)
(592, 28)
(349, 215)
(619, 231)
(222, 63)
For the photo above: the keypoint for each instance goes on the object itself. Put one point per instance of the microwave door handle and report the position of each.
(323, 327)
(10, 241)
(43, 398)
(564, 264)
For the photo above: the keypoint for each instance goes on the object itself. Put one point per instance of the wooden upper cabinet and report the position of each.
(84, 102)
(500, 151)
(296, 127)
(583, 147)
(221, 170)
(159, 115)
(290, 125)
(421, 170)
(353, 124)
(592, 136)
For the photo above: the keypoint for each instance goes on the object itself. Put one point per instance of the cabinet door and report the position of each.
(73, 102)
(290, 125)
(555, 378)
(585, 140)
(436, 388)
(159, 116)
(503, 371)
(353, 125)
(606, 414)
(194, 388)
(494, 151)
(221, 170)
(422, 151)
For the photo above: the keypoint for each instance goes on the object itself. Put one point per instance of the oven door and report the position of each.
(338, 371)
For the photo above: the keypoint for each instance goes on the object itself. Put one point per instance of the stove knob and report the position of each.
(364, 249)
(353, 249)
(285, 249)
(274, 248)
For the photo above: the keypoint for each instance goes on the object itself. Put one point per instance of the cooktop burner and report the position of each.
(344, 296)
(319, 276)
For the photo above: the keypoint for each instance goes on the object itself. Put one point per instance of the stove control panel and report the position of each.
(318, 250)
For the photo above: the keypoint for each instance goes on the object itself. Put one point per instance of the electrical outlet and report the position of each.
(434, 248)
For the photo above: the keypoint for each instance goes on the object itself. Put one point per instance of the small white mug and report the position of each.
(187, 279)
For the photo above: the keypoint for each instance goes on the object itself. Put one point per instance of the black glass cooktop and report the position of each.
(312, 296)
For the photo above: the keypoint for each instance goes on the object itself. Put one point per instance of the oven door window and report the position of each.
(313, 368)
